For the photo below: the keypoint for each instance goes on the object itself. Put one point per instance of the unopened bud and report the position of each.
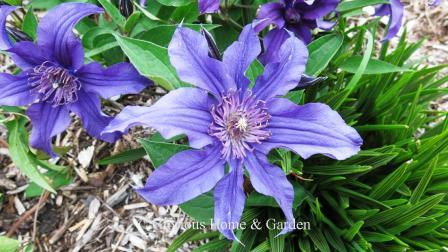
(213, 50)
(17, 34)
(126, 7)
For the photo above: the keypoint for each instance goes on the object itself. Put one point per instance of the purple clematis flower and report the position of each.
(228, 123)
(435, 3)
(298, 16)
(208, 6)
(55, 80)
(395, 11)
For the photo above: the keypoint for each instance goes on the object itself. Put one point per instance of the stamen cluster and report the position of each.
(54, 84)
(239, 121)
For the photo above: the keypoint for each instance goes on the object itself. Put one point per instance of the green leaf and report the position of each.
(255, 69)
(101, 49)
(332, 170)
(319, 239)
(352, 5)
(175, 3)
(262, 247)
(390, 183)
(382, 127)
(22, 156)
(424, 182)
(404, 214)
(215, 245)
(114, 13)
(29, 24)
(151, 60)
(8, 244)
(132, 21)
(374, 66)
(56, 180)
(353, 230)
(321, 51)
(160, 152)
(260, 200)
(123, 157)
(182, 239)
(162, 34)
(187, 13)
(200, 208)
(13, 2)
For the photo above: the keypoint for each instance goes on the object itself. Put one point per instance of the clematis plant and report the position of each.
(55, 81)
(298, 16)
(228, 123)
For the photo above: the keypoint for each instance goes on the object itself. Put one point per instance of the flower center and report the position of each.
(54, 84)
(292, 16)
(239, 121)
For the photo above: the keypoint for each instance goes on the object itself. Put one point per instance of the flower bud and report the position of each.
(213, 50)
(126, 7)
(17, 34)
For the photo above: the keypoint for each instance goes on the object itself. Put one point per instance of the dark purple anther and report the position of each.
(54, 84)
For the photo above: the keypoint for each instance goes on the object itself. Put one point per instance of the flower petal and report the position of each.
(325, 25)
(395, 10)
(117, 79)
(208, 6)
(21, 55)
(182, 111)
(272, 43)
(435, 3)
(129, 117)
(47, 121)
(318, 9)
(270, 13)
(88, 108)
(240, 54)
(15, 90)
(283, 75)
(229, 200)
(188, 52)
(185, 176)
(310, 129)
(5, 10)
(303, 32)
(55, 32)
(270, 180)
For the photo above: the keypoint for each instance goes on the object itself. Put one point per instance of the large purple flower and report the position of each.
(298, 16)
(228, 123)
(55, 80)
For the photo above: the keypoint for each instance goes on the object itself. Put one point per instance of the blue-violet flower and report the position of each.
(298, 16)
(55, 80)
(228, 123)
